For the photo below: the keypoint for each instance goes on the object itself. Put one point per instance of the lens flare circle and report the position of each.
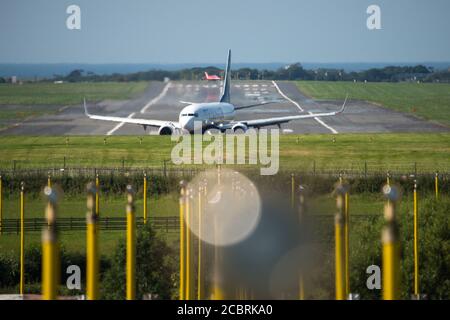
(223, 208)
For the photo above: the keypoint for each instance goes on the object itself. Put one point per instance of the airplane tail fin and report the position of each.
(206, 75)
(226, 81)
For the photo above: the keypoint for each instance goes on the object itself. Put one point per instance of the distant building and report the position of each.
(58, 82)
(14, 79)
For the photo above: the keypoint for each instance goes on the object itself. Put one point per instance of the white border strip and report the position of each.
(156, 99)
(110, 132)
(286, 97)
(334, 131)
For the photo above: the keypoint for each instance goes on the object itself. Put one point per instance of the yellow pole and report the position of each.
(92, 255)
(189, 270)
(388, 178)
(50, 248)
(217, 292)
(347, 245)
(416, 243)
(199, 262)
(22, 238)
(182, 242)
(346, 239)
(301, 212)
(1, 205)
(131, 246)
(391, 247)
(436, 185)
(145, 198)
(292, 190)
(339, 245)
(49, 181)
(97, 195)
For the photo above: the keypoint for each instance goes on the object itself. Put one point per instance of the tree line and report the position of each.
(290, 72)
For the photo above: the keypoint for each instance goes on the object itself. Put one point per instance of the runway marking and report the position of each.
(189, 85)
(237, 85)
(156, 99)
(286, 97)
(110, 132)
(301, 109)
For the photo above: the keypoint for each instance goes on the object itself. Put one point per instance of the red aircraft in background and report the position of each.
(211, 77)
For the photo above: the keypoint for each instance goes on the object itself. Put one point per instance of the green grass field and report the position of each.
(18, 102)
(430, 101)
(67, 93)
(381, 152)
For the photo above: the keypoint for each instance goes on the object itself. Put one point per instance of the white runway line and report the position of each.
(156, 99)
(301, 109)
(110, 132)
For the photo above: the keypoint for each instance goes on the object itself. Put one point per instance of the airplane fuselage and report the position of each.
(208, 114)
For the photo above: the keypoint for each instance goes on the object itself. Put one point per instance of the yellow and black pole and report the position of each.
(92, 254)
(97, 195)
(50, 249)
(416, 243)
(436, 185)
(388, 178)
(1, 205)
(22, 238)
(131, 245)
(145, 198)
(391, 246)
(339, 243)
(200, 253)
(182, 289)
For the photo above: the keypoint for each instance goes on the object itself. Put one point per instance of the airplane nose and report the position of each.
(188, 123)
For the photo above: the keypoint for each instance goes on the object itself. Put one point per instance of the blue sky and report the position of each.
(185, 31)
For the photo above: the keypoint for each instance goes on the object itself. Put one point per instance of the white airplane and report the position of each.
(212, 115)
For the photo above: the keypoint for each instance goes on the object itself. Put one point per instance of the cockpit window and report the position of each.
(189, 115)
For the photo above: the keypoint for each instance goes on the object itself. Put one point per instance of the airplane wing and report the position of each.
(143, 122)
(256, 104)
(279, 120)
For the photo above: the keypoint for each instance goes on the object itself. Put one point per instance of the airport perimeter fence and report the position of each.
(165, 224)
(323, 224)
(353, 169)
(113, 181)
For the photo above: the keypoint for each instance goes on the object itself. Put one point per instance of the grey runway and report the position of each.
(162, 101)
